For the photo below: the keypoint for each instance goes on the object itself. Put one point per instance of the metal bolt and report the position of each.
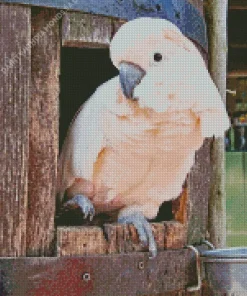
(141, 265)
(86, 277)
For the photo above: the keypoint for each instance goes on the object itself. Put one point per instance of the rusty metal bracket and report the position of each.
(104, 275)
(179, 12)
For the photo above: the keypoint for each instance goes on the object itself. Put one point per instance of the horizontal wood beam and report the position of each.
(237, 4)
(237, 73)
(85, 30)
(238, 7)
(125, 274)
(237, 45)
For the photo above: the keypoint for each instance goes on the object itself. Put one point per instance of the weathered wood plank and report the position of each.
(80, 241)
(85, 30)
(198, 190)
(43, 137)
(84, 240)
(15, 72)
(236, 74)
(120, 275)
(217, 34)
(237, 4)
(175, 235)
(205, 291)
(124, 239)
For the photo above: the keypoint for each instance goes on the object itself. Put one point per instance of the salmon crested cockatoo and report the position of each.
(133, 142)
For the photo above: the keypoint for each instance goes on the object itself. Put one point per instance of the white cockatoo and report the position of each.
(133, 142)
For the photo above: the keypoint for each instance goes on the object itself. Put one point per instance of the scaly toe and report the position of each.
(144, 230)
(84, 204)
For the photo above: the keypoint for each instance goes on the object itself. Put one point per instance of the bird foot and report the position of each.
(84, 204)
(143, 228)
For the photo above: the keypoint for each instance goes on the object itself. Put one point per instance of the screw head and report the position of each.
(86, 276)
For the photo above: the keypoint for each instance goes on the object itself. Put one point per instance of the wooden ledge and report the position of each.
(116, 238)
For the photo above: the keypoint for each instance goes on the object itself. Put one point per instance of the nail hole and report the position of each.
(86, 277)
(141, 265)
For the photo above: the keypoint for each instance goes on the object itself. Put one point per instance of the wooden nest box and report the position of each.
(34, 43)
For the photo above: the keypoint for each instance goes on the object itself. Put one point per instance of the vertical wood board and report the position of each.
(15, 72)
(198, 187)
(217, 32)
(43, 139)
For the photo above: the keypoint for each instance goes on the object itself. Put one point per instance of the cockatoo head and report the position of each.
(153, 58)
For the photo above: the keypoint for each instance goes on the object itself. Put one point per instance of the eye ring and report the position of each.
(158, 57)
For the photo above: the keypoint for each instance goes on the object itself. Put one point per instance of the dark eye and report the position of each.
(157, 57)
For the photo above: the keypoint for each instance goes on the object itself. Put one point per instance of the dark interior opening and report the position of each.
(82, 71)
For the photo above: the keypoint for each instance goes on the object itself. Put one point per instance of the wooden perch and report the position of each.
(86, 240)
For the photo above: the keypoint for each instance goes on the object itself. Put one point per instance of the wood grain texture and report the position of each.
(124, 239)
(43, 135)
(120, 275)
(198, 190)
(175, 235)
(217, 34)
(205, 291)
(117, 239)
(85, 30)
(15, 72)
(80, 241)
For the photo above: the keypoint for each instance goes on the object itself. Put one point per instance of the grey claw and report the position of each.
(153, 252)
(91, 214)
(144, 230)
(84, 204)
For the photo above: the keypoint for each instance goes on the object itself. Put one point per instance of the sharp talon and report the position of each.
(84, 204)
(144, 244)
(153, 254)
(143, 240)
(144, 231)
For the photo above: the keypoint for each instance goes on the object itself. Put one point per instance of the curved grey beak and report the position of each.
(130, 76)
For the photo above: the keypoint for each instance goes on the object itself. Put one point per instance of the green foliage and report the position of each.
(236, 198)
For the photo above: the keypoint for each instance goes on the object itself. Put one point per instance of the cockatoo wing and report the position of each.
(210, 107)
(85, 138)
